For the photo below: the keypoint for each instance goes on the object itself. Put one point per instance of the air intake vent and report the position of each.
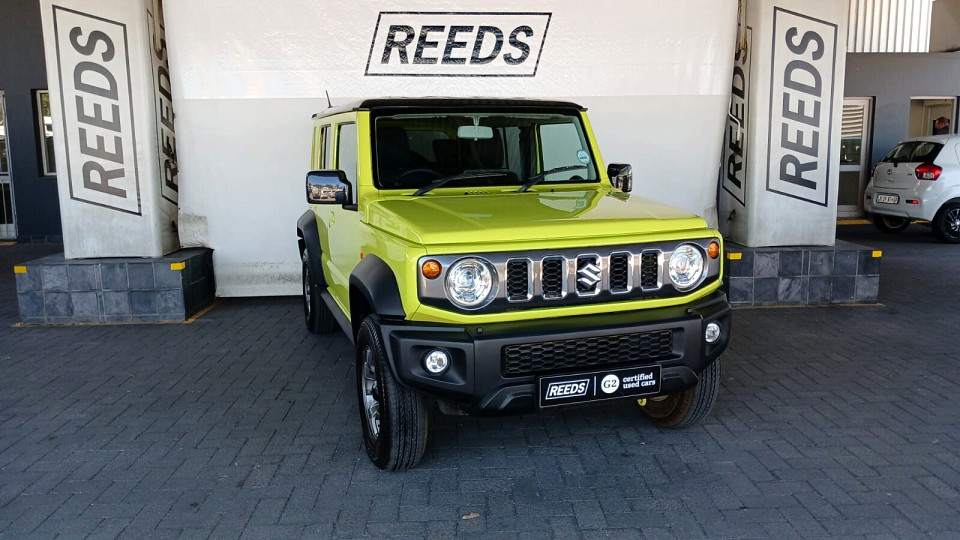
(518, 280)
(650, 270)
(551, 278)
(529, 358)
(620, 272)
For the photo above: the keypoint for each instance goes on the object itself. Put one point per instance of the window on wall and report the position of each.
(932, 116)
(48, 162)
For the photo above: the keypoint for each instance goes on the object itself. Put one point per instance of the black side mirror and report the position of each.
(328, 187)
(621, 176)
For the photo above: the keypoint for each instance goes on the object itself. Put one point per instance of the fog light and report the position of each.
(713, 332)
(437, 361)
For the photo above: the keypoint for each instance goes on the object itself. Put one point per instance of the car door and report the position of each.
(343, 223)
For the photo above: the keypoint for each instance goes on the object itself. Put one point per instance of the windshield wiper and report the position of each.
(537, 178)
(447, 179)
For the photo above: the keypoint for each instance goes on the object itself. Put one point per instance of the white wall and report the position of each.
(247, 76)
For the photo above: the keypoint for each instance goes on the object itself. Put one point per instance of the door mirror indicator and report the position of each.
(328, 187)
(621, 176)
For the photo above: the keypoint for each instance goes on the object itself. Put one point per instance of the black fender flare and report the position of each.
(373, 289)
(308, 236)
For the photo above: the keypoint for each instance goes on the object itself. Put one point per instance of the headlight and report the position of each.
(471, 283)
(686, 266)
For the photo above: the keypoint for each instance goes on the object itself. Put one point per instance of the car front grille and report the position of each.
(551, 356)
(548, 278)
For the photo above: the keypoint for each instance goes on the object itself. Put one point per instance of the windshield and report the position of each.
(487, 148)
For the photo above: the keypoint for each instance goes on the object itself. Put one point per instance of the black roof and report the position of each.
(440, 102)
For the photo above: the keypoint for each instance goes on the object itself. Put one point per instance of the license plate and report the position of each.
(599, 385)
(888, 199)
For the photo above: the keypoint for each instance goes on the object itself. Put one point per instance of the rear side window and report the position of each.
(325, 161)
(347, 152)
(914, 151)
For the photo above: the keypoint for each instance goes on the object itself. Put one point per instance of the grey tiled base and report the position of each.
(57, 290)
(804, 275)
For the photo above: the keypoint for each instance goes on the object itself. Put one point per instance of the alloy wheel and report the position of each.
(371, 393)
(951, 224)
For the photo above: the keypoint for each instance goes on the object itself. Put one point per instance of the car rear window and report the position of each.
(914, 152)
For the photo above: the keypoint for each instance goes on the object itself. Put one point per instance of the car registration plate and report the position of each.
(599, 385)
(883, 198)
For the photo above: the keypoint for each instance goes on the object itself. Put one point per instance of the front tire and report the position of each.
(890, 224)
(689, 407)
(316, 314)
(946, 224)
(394, 418)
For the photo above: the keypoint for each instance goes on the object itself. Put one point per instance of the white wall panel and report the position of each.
(248, 74)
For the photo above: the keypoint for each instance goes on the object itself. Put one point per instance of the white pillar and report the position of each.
(113, 126)
(779, 183)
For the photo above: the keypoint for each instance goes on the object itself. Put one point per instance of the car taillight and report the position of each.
(928, 171)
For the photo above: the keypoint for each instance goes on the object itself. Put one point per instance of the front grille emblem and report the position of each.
(588, 275)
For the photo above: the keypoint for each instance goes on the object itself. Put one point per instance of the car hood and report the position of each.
(437, 219)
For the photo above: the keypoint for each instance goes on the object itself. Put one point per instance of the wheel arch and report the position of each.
(373, 289)
(308, 239)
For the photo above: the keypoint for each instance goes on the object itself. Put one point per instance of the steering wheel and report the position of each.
(419, 170)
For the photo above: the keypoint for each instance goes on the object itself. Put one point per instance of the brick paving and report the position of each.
(832, 422)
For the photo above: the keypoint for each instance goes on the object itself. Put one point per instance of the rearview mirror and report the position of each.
(475, 132)
(328, 187)
(621, 176)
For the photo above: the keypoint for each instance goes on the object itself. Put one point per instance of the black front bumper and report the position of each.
(478, 382)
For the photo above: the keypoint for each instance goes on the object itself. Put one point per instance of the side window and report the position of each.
(325, 161)
(347, 151)
(347, 154)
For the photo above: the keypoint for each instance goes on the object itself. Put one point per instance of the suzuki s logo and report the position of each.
(588, 275)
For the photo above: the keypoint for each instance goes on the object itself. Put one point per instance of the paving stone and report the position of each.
(243, 425)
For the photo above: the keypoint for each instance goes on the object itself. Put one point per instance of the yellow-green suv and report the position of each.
(483, 260)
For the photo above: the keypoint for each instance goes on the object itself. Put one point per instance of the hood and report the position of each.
(437, 219)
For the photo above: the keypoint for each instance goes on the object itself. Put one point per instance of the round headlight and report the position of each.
(686, 266)
(471, 283)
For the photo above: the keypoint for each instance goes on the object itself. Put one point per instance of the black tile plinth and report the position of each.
(53, 289)
(846, 273)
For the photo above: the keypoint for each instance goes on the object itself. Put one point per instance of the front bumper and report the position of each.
(478, 379)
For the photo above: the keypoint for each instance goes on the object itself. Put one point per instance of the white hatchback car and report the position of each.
(918, 179)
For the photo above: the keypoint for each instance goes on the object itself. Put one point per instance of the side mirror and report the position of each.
(328, 187)
(621, 176)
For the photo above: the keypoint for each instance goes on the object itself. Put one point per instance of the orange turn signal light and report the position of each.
(431, 269)
(713, 250)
